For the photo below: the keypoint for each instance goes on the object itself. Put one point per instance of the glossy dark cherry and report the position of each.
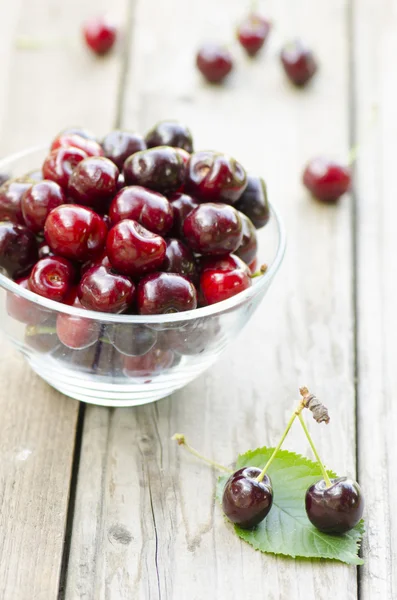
(214, 229)
(59, 164)
(163, 293)
(150, 364)
(223, 278)
(327, 180)
(75, 232)
(100, 35)
(149, 208)
(103, 290)
(182, 205)
(215, 177)
(76, 332)
(161, 169)
(132, 340)
(180, 259)
(118, 145)
(245, 501)
(18, 249)
(249, 244)
(134, 250)
(336, 509)
(38, 201)
(298, 62)
(254, 203)
(11, 193)
(52, 277)
(214, 62)
(45, 250)
(252, 33)
(81, 131)
(94, 182)
(170, 133)
(73, 140)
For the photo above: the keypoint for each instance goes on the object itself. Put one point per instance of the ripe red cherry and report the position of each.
(161, 169)
(298, 62)
(119, 145)
(246, 501)
(163, 293)
(100, 35)
(11, 194)
(214, 62)
(252, 33)
(179, 259)
(327, 180)
(102, 290)
(249, 244)
(170, 133)
(215, 177)
(18, 249)
(182, 205)
(59, 164)
(254, 203)
(151, 364)
(134, 250)
(94, 182)
(24, 310)
(52, 278)
(223, 278)
(149, 208)
(75, 232)
(214, 229)
(76, 332)
(38, 201)
(73, 140)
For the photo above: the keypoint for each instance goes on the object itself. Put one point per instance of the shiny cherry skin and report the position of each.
(223, 278)
(100, 35)
(214, 62)
(45, 250)
(23, 310)
(38, 201)
(149, 208)
(248, 248)
(52, 278)
(182, 205)
(76, 332)
(336, 509)
(59, 164)
(73, 140)
(93, 182)
(103, 290)
(11, 193)
(75, 232)
(81, 131)
(298, 62)
(164, 293)
(245, 501)
(150, 364)
(170, 133)
(134, 250)
(252, 33)
(18, 249)
(213, 229)
(161, 169)
(180, 259)
(254, 203)
(132, 340)
(215, 177)
(118, 145)
(326, 179)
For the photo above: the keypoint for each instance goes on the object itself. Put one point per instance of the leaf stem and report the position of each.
(261, 271)
(180, 438)
(327, 480)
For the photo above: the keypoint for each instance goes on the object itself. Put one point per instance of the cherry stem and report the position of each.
(180, 438)
(260, 272)
(326, 478)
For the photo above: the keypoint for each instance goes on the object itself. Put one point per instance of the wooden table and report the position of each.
(100, 504)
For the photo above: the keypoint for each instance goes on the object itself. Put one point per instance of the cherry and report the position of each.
(179, 259)
(246, 501)
(163, 293)
(100, 35)
(18, 249)
(59, 164)
(327, 180)
(161, 169)
(81, 131)
(223, 278)
(52, 277)
(102, 290)
(75, 232)
(182, 205)
(73, 140)
(120, 181)
(252, 33)
(76, 332)
(215, 177)
(170, 133)
(134, 250)
(23, 310)
(100, 259)
(254, 203)
(249, 244)
(119, 145)
(214, 229)
(149, 208)
(214, 62)
(94, 182)
(11, 194)
(298, 62)
(45, 250)
(38, 201)
(132, 340)
(150, 364)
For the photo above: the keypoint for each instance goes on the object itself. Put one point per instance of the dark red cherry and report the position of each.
(223, 278)
(163, 293)
(23, 310)
(45, 250)
(100, 259)
(170, 133)
(149, 208)
(327, 180)
(252, 33)
(118, 145)
(52, 277)
(100, 35)
(38, 201)
(249, 244)
(214, 229)
(254, 203)
(11, 193)
(59, 164)
(18, 249)
(73, 140)
(76, 332)
(336, 509)
(179, 259)
(150, 364)
(215, 177)
(103, 290)
(161, 169)
(298, 62)
(132, 340)
(182, 205)
(81, 131)
(75, 232)
(214, 62)
(94, 182)
(246, 501)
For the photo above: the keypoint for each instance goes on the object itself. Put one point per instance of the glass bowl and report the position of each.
(132, 359)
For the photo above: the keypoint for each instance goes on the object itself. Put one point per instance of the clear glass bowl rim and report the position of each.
(206, 311)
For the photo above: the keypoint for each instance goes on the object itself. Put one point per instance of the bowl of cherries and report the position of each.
(128, 265)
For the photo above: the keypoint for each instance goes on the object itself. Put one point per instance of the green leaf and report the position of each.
(287, 530)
